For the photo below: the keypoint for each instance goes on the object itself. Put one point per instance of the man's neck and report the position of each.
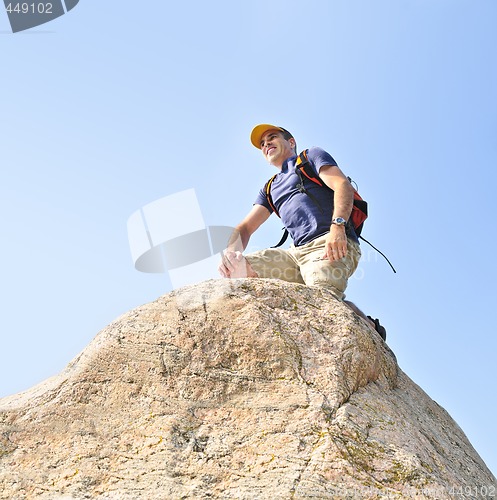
(283, 162)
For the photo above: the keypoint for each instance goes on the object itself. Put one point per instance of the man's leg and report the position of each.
(357, 310)
(275, 263)
(322, 272)
(333, 275)
(375, 323)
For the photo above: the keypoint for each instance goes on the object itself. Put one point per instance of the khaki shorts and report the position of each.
(305, 265)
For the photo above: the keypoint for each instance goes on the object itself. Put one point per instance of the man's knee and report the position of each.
(327, 275)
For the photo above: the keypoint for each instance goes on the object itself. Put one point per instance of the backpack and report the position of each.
(305, 171)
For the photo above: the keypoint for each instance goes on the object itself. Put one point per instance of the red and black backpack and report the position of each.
(307, 174)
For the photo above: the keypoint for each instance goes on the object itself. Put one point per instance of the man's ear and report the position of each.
(292, 142)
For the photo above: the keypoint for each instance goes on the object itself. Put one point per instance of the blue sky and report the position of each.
(111, 107)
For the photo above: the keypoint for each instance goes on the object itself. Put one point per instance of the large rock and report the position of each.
(246, 389)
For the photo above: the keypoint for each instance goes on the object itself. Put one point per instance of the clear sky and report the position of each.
(117, 104)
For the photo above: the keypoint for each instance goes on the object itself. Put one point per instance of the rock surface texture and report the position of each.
(235, 389)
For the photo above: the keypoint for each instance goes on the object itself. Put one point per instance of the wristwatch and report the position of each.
(339, 221)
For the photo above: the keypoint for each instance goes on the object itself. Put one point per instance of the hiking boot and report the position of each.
(379, 328)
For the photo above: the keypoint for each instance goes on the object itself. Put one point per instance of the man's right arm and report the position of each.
(232, 256)
(242, 233)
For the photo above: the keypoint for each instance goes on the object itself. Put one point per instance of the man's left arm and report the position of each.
(336, 242)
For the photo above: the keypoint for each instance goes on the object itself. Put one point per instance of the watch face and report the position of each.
(340, 221)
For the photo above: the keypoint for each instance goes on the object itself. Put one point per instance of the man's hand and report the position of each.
(234, 265)
(336, 243)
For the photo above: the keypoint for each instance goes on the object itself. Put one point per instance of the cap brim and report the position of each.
(259, 130)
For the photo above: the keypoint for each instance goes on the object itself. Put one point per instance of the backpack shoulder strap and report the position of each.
(303, 165)
(267, 191)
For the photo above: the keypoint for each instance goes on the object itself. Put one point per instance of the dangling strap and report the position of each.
(283, 238)
(380, 252)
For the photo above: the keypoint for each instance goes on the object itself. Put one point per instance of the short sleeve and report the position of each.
(319, 158)
(262, 200)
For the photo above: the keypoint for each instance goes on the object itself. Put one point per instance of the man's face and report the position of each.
(275, 148)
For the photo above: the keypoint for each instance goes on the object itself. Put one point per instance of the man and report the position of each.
(325, 250)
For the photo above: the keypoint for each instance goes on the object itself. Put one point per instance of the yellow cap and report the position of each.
(259, 130)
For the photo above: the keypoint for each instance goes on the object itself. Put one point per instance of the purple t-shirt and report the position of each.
(299, 213)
